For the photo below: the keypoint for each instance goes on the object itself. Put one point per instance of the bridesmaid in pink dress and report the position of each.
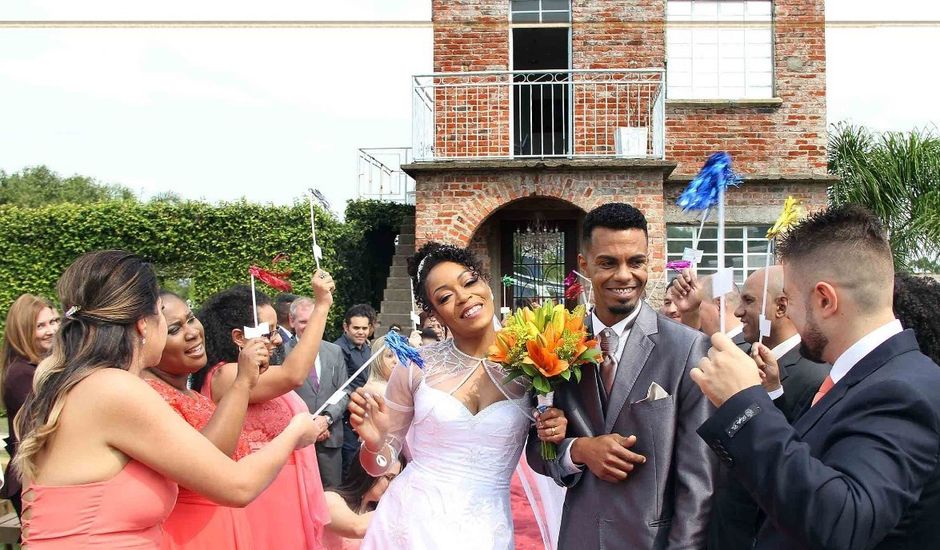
(101, 454)
(197, 523)
(291, 513)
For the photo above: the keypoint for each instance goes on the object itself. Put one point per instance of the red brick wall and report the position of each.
(785, 139)
(452, 206)
(470, 35)
(622, 34)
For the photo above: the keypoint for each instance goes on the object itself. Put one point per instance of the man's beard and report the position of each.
(813, 343)
(622, 309)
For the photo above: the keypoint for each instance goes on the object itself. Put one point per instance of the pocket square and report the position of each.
(655, 393)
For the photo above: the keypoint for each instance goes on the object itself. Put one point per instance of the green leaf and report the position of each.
(577, 374)
(540, 384)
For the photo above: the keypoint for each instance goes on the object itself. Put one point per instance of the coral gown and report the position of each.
(126, 511)
(197, 523)
(292, 511)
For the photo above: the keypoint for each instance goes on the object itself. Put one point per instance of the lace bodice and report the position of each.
(196, 409)
(263, 421)
(445, 371)
(454, 492)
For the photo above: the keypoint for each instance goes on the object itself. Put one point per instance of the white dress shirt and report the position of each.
(863, 347)
(622, 330)
(779, 351)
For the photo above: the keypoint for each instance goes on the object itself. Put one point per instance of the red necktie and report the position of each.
(823, 389)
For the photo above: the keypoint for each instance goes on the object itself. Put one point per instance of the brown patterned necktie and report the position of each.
(609, 366)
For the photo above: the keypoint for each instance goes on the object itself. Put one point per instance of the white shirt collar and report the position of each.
(735, 331)
(784, 347)
(621, 327)
(863, 347)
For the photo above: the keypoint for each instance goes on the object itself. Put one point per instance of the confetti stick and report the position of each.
(707, 189)
(317, 251)
(397, 343)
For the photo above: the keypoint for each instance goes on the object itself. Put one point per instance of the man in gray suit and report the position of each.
(636, 476)
(325, 378)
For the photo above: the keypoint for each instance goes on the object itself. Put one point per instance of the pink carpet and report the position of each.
(527, 530)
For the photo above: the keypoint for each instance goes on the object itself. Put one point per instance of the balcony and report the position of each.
(380, 177)
(498, 115)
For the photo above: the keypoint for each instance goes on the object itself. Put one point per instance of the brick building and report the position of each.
(540, 110)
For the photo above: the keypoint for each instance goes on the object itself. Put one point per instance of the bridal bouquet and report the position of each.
(548, 346)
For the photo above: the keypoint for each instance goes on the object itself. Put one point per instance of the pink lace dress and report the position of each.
(292, 511)
(197, 523)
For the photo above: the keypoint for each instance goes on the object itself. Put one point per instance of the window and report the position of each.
(541, 11)
(745, 247)
(719, 49)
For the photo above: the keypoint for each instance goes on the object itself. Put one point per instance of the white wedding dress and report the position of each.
(454, 492)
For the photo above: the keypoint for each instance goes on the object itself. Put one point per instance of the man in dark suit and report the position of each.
(860, 468)
(637, 476)
(357, 325)
(790, 379)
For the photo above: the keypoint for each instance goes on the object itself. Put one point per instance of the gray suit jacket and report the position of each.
(665, 502)
(332, 376)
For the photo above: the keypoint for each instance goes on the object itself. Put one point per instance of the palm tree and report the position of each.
(897, 176)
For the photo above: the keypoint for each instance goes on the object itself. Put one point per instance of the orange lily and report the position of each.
(499, 352)
(544, 358)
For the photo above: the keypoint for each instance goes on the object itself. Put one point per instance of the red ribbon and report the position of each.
(274, 279)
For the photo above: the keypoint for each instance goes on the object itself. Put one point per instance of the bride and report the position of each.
(468, 426)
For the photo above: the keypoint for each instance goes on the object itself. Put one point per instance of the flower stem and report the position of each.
(549, 451)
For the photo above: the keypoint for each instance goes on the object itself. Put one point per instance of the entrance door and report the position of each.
(538, 256)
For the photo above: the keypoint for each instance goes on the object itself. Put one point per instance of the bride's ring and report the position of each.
(322, 275)
(553, 431)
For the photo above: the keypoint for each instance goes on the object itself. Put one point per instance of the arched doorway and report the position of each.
(535, 242)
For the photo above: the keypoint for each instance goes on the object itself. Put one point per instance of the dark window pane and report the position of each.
(525, 18)
(525, 5)
(556, 17)
(563, 5)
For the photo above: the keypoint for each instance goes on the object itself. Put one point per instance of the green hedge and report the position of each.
(209, 245)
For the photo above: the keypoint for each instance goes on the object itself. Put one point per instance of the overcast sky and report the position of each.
(225, 113)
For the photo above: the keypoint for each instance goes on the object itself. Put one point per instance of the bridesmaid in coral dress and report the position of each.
(197, 523)
(101, 454)
(292, 512)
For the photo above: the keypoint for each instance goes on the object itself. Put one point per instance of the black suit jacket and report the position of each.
(800, 378)
(858, 470)
(735, 516)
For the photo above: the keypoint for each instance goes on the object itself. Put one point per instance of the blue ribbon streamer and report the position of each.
(397, 343)
(702, 191)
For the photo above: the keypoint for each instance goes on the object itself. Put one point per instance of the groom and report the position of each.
(637, 475)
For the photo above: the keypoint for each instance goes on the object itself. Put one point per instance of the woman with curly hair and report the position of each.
(468, 423)
(915, 305)
(291, 513)
(30, 329)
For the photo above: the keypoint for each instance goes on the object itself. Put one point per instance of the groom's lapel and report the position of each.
(635, 353)
(590, 388)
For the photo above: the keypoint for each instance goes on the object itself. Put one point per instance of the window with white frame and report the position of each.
(745, 247)
(719, 49)
(541, 11)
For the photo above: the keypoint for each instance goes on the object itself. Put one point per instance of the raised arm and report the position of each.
(383, 422)
(138, 423)
(878, 456)
(278, 380)
(226, 423)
